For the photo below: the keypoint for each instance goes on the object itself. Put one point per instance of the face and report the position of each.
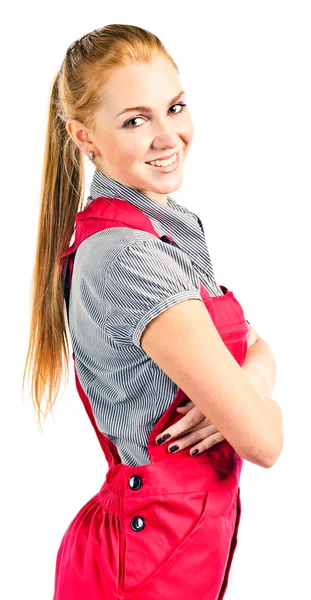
(124, 143)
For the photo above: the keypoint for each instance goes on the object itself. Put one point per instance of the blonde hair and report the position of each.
(76, 93)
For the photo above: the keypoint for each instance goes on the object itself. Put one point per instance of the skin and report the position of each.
(196, 429)
(121, 153)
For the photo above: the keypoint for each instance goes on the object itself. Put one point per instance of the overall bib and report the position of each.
(168, 528)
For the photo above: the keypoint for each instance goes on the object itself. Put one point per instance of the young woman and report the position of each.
(150, 329)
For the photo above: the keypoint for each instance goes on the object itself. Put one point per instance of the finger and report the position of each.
(192, 438)
(191, 419)
(206, 444)
(205, 419)
(204, 423)
(205, 435)
(185, 409)
(187, 406)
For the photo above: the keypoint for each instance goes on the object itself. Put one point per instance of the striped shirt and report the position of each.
(122, 279)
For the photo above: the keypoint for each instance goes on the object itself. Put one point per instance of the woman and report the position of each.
(165, 520)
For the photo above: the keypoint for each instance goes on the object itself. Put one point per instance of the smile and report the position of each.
(166, 166)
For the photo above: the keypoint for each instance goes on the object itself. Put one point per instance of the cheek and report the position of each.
(127, 159)
(121, 156)
(131, 150)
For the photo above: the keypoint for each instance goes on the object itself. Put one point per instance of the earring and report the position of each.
(91, 155)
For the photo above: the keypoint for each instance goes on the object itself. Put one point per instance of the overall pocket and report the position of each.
(171, 522)
(199, 566)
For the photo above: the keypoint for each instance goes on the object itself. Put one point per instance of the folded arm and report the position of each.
(260, 367)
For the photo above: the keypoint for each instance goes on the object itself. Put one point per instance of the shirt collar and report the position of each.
(173, 219)
(102, 185)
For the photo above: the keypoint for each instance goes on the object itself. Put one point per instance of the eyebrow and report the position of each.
(147, 109)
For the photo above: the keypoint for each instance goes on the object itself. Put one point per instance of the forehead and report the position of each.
(150, 84)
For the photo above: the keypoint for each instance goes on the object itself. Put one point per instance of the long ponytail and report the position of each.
(62, 192)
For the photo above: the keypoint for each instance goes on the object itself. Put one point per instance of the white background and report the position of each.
(245, 67)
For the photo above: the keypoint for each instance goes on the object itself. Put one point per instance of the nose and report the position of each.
(167, 143)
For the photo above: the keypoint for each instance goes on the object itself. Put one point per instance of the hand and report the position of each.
(195, 426)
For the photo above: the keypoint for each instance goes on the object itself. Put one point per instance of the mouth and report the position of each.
(168, 168)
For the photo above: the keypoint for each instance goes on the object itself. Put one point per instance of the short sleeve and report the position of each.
(143, 280)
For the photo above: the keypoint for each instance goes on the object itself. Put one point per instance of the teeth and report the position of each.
(163, 163)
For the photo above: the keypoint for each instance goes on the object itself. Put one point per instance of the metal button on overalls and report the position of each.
(135, 482)
(137, 523)
(176, 534)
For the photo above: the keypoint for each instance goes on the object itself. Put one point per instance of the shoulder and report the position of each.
(103, 241)
(104, 249)
(149, 254)
(98, 251)
(135, 258)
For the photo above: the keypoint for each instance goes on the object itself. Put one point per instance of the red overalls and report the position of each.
(167, 529)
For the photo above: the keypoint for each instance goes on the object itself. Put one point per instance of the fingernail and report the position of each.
(163, 438)
(184, 402)
(194, 452)
(173, 448)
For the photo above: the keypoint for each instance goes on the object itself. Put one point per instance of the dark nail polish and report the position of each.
(163, 438)
(194, 452)
(184, 402)
(173, 448)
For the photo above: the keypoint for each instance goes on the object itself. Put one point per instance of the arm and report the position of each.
(260, 367)
(186, 345)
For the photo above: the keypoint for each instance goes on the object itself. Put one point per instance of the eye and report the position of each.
(127, 123)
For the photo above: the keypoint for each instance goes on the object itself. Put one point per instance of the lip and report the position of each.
(163, 157)
(169, 168)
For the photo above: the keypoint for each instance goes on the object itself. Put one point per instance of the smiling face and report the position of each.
(124, 143)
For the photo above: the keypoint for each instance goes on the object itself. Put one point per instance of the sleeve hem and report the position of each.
(156, 310)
